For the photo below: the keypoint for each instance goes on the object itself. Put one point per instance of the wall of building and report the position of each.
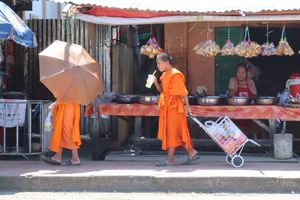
(43, 9)
(180, 40)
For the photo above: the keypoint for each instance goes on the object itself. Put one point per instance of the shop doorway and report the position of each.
(225, 65)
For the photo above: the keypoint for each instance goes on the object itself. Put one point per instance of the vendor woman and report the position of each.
(242, 85)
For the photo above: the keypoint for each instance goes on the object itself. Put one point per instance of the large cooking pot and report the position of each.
(209, 100)
(126, 98)
(266, 100)
(147, 99)
(192, 100)
(238, 101)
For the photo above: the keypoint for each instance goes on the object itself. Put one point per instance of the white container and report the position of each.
(283, 146)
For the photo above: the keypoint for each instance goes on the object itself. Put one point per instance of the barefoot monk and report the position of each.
(173, 127)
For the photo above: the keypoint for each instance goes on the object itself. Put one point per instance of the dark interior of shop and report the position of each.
(275, 70)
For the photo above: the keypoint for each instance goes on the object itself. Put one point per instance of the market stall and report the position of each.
(274, 114)
(201, 50)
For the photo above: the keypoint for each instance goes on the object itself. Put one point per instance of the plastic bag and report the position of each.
(208, 48)
(228, 49)
(48, 123)
(247, 48)
(283, 48)
(151, 49)
(268, 49)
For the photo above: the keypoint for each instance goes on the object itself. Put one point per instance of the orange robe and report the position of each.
(173, 128)
(66, 130)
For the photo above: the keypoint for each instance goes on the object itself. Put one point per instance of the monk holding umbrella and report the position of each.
(173, 128)
(74, 78)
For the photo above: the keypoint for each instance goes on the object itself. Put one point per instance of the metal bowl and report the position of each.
(192, 100)
(125, 98)
(266, 100)
(147, 99)
(209, 100)
(238, 101)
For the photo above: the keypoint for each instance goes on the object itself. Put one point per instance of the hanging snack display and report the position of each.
(283, 48)
(151, 49)
(268, 49)
(228, 48)
(247, 48)
(207, 48)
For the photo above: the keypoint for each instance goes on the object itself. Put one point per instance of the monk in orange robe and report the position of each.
(173, 127)
(66, 133)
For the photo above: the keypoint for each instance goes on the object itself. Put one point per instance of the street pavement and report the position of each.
(126, 174)
(141, 196)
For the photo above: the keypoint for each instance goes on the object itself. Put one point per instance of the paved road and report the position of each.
(140, 196)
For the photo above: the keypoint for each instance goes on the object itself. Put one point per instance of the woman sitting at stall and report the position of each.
(242, 85)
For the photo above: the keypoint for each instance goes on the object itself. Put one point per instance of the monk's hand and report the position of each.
(188, 111)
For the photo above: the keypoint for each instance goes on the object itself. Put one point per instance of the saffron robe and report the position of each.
(173, 127)
(66, 130)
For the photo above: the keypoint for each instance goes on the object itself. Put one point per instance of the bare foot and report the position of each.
(192, 153)
(56, 158)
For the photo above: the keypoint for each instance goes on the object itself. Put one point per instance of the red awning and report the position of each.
(115, 12)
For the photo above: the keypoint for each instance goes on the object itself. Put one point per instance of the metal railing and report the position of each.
(22, 129)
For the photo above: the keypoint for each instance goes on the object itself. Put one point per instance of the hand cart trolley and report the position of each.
(228, 137)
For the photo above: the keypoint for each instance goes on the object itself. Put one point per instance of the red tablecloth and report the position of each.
(233, 112)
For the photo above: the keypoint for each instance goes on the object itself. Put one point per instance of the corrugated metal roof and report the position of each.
(202, 6)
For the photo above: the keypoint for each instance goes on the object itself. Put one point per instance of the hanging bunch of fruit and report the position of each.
(247, 48)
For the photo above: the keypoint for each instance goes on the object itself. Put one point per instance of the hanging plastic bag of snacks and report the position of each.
(247, 48)
(207, 48)
(268, 49)
(228, 48)
(151, 49)
(283, 48)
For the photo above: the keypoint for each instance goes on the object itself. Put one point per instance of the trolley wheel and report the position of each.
(228, 159)
(138, 150)
(237, 161)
